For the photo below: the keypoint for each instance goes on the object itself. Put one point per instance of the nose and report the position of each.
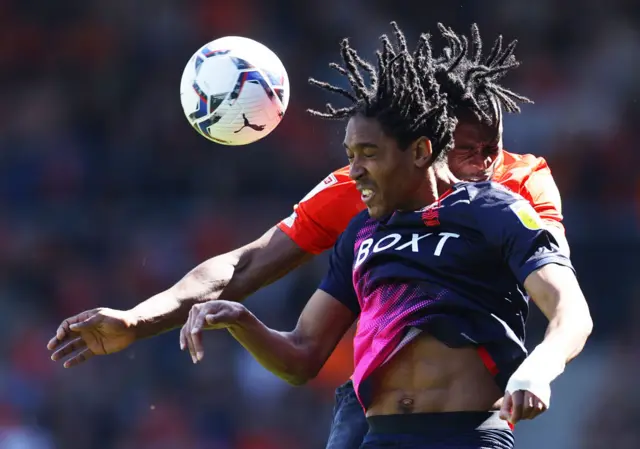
(356, 170)
(482, 161)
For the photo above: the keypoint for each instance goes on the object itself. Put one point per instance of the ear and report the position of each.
(422, 152)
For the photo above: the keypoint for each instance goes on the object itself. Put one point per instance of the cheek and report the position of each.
(456, 158)
(388, 176)
(457, 165)
(404, 181)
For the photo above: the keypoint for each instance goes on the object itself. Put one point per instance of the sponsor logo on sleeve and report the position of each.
(326, 182)
(527, 215)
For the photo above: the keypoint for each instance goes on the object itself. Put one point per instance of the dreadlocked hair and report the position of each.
(470, 80)
(396, 95)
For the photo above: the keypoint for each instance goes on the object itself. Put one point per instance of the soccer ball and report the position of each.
(234, 91)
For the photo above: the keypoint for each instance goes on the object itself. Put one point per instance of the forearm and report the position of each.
(232, 276)
(566, 335)
(562, 302)
(170, 308)
(555, 290)
(282, 353)
(568, 332)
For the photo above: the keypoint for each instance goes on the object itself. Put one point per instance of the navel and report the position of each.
(406, 405)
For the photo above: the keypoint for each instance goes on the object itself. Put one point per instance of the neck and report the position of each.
(434, 184)
(443, 177)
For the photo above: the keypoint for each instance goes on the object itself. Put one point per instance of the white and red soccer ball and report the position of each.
(234, 91)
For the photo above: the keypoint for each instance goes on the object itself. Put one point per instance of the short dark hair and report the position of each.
(402, 93)
(471, 81)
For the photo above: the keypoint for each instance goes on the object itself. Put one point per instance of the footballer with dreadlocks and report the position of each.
(474, 97)
(439, 284)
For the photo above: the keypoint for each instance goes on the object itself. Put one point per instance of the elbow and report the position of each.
(586, 322)
(305, 359)
(583, 333)
(297, 381)
(303, 374)
(587, 326)
(582, 329)
(302, 368)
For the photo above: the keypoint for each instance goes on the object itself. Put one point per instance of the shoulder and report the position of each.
(514, 170)
(531, 177)
(487, 192)
(531, 162)
(489, 201)
(332, 187)
(324, 212)
(496, 206)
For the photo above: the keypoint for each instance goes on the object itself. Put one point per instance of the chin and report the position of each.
(377, 212)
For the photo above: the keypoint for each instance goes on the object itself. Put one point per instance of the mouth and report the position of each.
(479, 177)
(366, 195)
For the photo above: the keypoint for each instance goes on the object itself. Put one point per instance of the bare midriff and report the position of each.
(427, 376)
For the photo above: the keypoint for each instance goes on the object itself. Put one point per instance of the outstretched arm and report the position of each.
(295, 356)
(313, 228)
(235, 275)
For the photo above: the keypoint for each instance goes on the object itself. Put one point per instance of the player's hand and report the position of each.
(214, 314)
(521, 405)
(94, 332)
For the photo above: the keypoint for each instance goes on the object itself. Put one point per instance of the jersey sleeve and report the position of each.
(324, 213)
(543, 194)
(338, 282)
(513, 227)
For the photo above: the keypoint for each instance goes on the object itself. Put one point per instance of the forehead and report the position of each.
(364, 130)
(474, 131)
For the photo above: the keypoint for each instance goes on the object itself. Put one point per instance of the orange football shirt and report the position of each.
(324, 213)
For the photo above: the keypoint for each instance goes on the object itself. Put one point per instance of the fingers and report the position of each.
(507, 404)
(186, 335)
(53, 343)
(183, 340)
(191, 332)
(62, 333)
(71, 346)
(195, 335)
(532, 406)
(183, 334)
(516, 409)
(65, 330)
(82, 325)
(79, 358)
(521, 405)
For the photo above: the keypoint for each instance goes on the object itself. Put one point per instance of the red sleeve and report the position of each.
(321, 216)
(543, 194)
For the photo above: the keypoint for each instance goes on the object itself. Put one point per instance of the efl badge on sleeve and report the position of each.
(527, 215)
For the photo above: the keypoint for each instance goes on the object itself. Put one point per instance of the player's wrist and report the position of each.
(535, 374)
(132, 322)
(142, 324)
(243, 318)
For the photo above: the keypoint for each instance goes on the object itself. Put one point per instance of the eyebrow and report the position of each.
(361, 145)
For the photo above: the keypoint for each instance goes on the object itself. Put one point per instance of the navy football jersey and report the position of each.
(454, 269)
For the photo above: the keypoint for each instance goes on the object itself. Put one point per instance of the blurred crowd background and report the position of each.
(108, 196)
